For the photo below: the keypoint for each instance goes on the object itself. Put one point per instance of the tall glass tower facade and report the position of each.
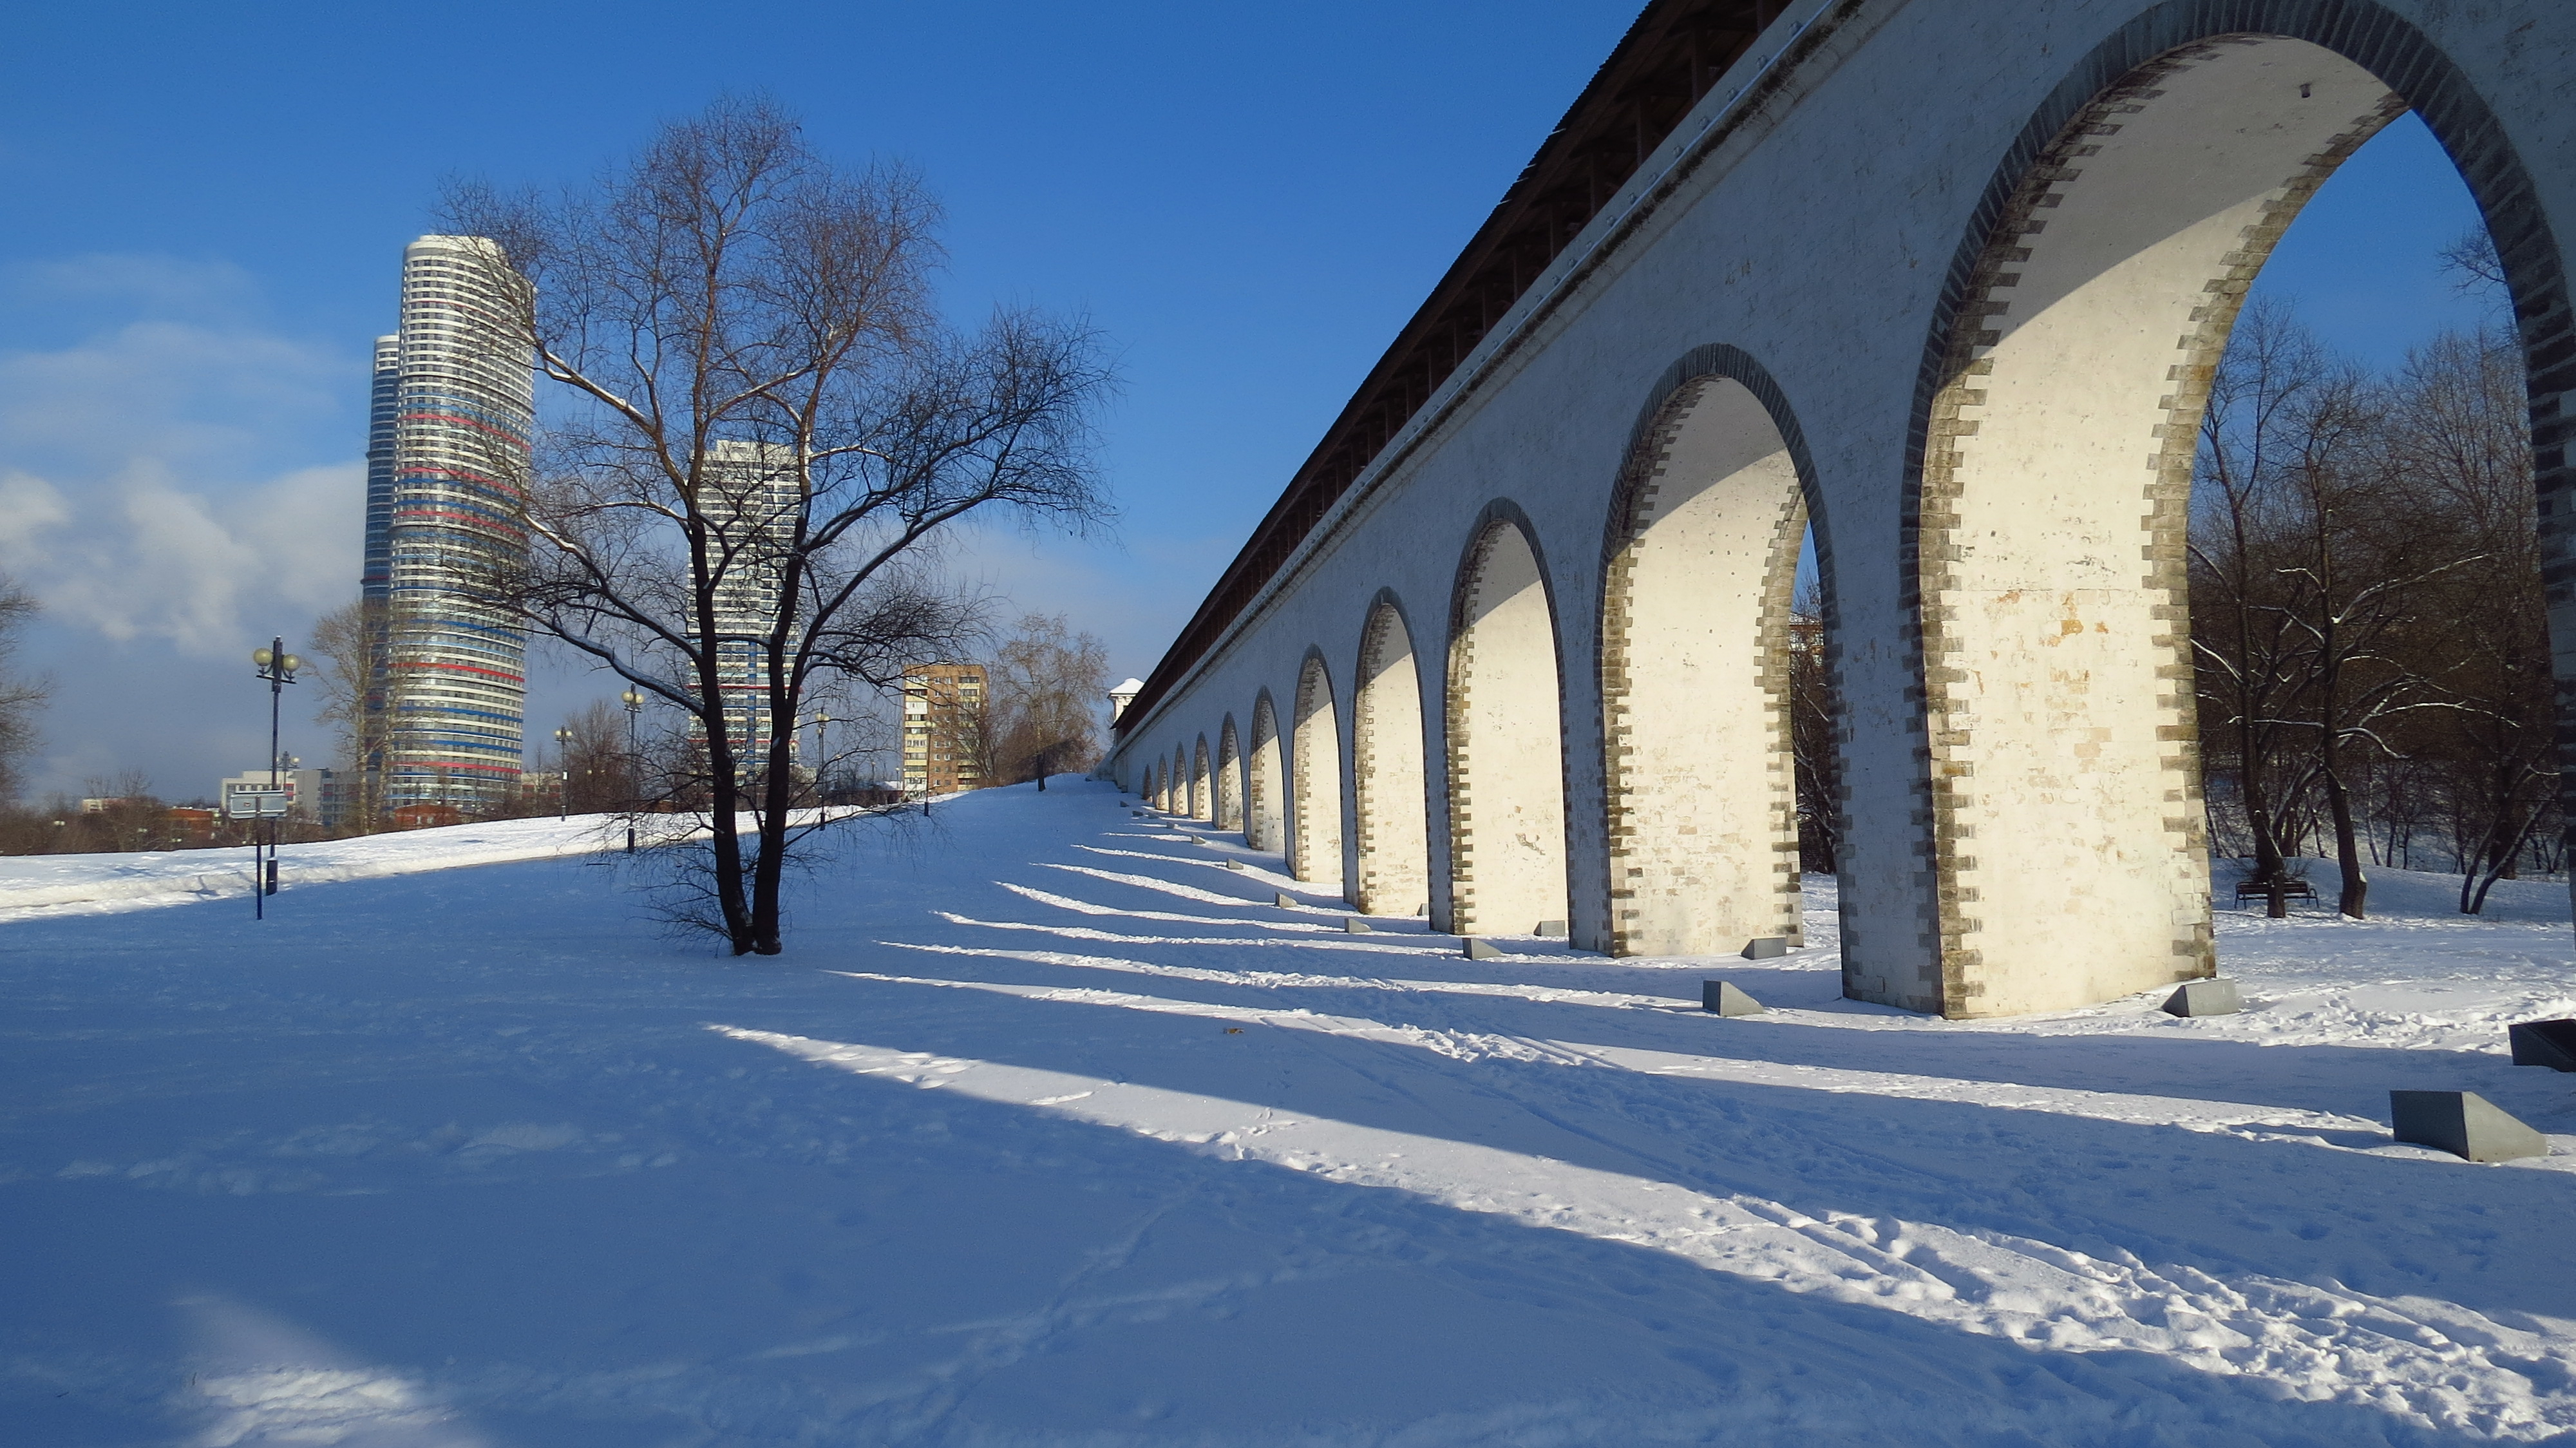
(447, 468)
(752, 504)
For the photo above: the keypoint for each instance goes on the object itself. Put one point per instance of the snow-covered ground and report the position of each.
(1052, 1129)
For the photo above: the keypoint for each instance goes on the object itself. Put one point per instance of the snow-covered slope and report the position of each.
(1052, 1129)
(91, 884)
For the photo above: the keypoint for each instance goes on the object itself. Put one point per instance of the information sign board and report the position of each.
(256, 804)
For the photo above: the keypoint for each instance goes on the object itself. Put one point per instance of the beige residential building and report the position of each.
(943, 728)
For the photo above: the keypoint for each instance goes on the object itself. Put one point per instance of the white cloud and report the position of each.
(160, 474)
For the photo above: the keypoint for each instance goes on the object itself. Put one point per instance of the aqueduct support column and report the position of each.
(1386, 769)
(1701, 790)
(1315, 780)
(1229, 778)
(2067, 831)
(1506, 741)
(1265, 824)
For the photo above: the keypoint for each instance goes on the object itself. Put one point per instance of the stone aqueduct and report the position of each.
(1944, 279)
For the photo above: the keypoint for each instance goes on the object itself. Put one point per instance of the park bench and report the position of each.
(2250, 889)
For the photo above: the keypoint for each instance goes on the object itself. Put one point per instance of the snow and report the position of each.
(92, 884)
(1051, 1129)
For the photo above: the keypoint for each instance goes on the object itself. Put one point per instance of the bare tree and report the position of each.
(2242, 640)
(2459, 440)
(1042, 709)
(349, 641)
(2362, 564)
(1813, 710)
(2318, 556)
(599, 773)
(759, 428)
(21, 696)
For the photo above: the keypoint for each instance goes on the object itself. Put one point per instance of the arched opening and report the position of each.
(1696, 662)
(1265, 807)
(1386, 770)
(1506, 741)
(1315, 777)
(1163, 785)
(1229, 778)
(1202, 786)
(2066, 859)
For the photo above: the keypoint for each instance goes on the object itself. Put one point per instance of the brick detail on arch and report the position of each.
(1311, 756)
(1393, 875)
(1635, 510)
(2166, 458)
(1229, 778)
(1455, 743)
(1262, 802)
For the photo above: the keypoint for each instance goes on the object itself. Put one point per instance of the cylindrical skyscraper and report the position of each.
(455, 422)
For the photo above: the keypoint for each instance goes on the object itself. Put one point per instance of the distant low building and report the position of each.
(311, 794)
(194, 823)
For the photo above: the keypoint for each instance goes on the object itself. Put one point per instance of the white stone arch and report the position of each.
(1179, 803)
(1162, 783)
(1315, 779)
(1701, 561)
(1229, 777)
(1202, 784)
(1265, 824)
(1388, 805)
(2056, 421)
(1506, 736)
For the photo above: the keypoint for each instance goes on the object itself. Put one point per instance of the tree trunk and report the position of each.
(2356, 883)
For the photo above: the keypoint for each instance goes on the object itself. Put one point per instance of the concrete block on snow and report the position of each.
(1284, 901)
(1234, 864)
(2464, 1123)
(1550, 927)
(1480, 949)
(1354, 925)
(1719, 998)
(2544, 1043)
(1766, 947)
(2204, 998)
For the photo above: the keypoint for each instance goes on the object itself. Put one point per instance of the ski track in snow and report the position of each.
(448, 1156)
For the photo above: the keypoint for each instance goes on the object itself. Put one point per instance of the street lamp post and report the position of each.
(822, 763)
(563, 774)
(278, 667)
(634, 703)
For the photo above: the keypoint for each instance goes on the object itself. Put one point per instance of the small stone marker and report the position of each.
(1284, 902)
(1550, 927)
(1480, 949)
(1719, 998)
(1766, 947)
(2544, 1043)
(2215, 997)
(1353, 925)
(2462, 1122)
(1234, 864)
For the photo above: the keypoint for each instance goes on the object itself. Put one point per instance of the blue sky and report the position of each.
(210, 204)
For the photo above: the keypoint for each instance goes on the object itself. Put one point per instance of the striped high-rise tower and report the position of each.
(447, 462)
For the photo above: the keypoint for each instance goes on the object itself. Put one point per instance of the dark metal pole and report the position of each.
(634, 703)
(276, 698)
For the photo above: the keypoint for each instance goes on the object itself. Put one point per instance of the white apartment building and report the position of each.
(446, 503)
(751, 499)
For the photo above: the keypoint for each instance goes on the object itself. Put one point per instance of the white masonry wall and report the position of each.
(1972, 260)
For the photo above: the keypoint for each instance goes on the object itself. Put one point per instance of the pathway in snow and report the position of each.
(1052, 1129)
